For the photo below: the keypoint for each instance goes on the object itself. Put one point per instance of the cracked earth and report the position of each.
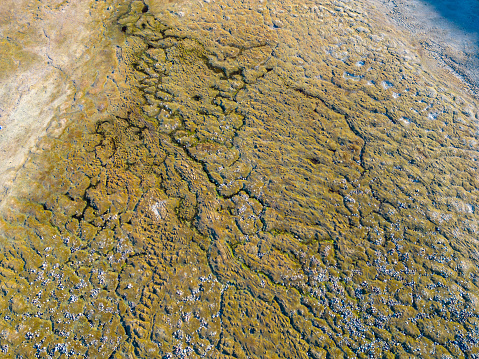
(247, 180)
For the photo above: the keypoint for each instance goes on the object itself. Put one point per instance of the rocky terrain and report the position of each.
(247, 179)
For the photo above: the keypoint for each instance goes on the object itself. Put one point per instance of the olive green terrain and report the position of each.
(287, 180)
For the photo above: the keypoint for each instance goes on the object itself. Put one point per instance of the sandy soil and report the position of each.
(43, 52)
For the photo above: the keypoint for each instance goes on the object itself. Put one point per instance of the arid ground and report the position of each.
(233, 179)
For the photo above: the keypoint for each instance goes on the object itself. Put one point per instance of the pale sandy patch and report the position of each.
(51, 54)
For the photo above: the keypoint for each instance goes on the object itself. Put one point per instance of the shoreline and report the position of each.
(453, 49)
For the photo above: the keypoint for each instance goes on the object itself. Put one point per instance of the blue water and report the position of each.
(464, 14)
